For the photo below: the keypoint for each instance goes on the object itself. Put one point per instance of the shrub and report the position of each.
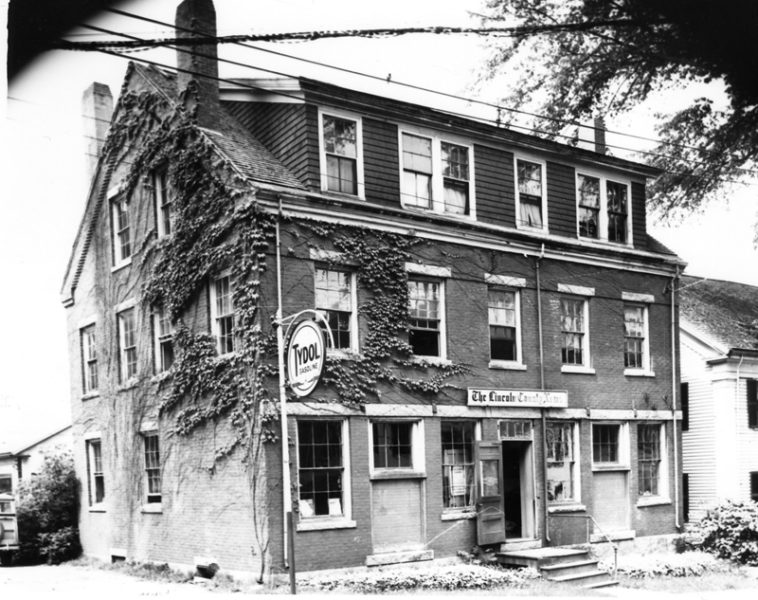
(47, 513)
(685, 564)
(729, 531)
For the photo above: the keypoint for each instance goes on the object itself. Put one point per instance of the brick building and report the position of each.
(503, 368)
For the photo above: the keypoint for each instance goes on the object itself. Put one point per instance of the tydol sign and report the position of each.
(520, 398)
(305, 358)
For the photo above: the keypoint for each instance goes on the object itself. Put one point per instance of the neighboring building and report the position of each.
(719, 363)
(489, 293)
(20, 462)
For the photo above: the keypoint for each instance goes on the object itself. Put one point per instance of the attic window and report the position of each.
(121, 231)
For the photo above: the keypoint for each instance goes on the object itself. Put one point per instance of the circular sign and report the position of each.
(305, 358)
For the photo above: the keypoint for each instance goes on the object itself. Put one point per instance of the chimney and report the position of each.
(97, 110)
(197, 78)
(599, 128)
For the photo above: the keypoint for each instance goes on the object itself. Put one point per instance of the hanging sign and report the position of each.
(518, 398)
(305, 358)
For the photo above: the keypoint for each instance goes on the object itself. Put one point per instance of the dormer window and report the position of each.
(436, 174)
(602, 209)
(342, 169)
(531, 198)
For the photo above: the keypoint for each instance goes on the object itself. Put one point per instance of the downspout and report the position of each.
(286, 492)
(546, 527)
(674, 280)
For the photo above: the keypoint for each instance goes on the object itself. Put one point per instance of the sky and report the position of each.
(43, 179)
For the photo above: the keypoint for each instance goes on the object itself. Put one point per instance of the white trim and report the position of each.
(577, 369)
(418, 452)
(92, 435)
(623, 462)
(226, 273)
(437, 180)
(159, 368)
(115, 190)
(428, 270)
(504, 280)
(354, 338)
(147, 427)
(118, 260)
(637, 297)
(576, 290)
(664, 481)
(506, 365)
(602, 225)
(87, 321)
(330, 256)
(646, 370)
(324, 523)
(518, 364)
(125, 305)
(576, 469)
(348, 116)
(517, 156)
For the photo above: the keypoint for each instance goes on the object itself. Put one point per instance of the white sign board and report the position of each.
(305, 358)
(518, 398)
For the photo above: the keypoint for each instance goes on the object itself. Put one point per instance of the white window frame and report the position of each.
(124, 376)
(603, 211)
(575, 293)
(328, 521)
(120, 259)
(575, 467)
(159, 367)
(438, 188)
(623, 462)
(92, 474)
(86, 352)
(418, 456)
(543, 164)
(162, 199)
(359, 171)
(517, 364)
(646, 369)
(215, 331)
(152, 499)
(663, 495)
(458, 511)
(354, 343)
(442, 318)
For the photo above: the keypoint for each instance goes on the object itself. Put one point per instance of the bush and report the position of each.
(47, 512)
(685, 564)
(730, 531)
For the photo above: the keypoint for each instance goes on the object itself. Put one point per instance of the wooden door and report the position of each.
(490, 520)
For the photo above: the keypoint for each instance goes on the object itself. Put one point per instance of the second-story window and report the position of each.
(89, 359)
(530, 194)
(163, 333)
(573, 329)
(164, 210)
(602, 208)
(436, 174)
(341, 139)
(222, 314)
(334, 296)
(635, 334)
(121, 228)
(127, 343)
(503, 319)
(425, 311)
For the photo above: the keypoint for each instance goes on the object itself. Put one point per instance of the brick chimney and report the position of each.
(198, 65)
(97, 110)
(599, 127)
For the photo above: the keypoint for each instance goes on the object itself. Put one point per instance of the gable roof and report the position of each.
(725, 311)
(18, 448)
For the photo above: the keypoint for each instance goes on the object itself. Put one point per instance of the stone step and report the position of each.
(541, 557)
(569, 568)
(592, 579)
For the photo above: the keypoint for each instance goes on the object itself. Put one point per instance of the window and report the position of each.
(6, 484)
(321, 468)
(503, 308)
(426, 313)
(649, 459)
(436, 174)
(752, 403)
(457, 464)
(561, 462)
(163, 333)
(574, 350)
(684, 395)
(127, 340)
(606, 443)
(164, 210)
(95, 472)
(152, 468)
(222, 314)
(89, 359)
(341, 155)
(121, 229)
(334, 296)
(635, 337)
(530, 194)
(393, 448)
(754, 486)
(602, 208)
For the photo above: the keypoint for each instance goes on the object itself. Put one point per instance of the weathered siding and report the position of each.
(561, 199)
(380, 162)
(495, 200)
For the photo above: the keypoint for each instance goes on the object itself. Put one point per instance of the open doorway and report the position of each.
(518, 489)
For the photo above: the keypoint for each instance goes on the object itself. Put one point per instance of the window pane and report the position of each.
(490, 478)
(605, 442)
(530, 208)
(456, 197)
(340, 136)
(454, 161)
(560, 461)
(617, 211)
(529, 178)
(392, 445)
(417, 153)
(457, 463)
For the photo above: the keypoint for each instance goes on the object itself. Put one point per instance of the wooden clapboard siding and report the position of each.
(380, 162)
(493, 175)
(561, 199)
(639, 225)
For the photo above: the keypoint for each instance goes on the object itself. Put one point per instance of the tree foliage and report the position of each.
(624, 51)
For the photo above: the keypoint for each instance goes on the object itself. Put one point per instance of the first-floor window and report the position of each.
(393, 447)
(127, 337)
(320, 468)
(6, 484)
(153, 468)
(457, 463)
(561, 461)
(605, 443)
(222, 314)
(163, 332)
(89, 359)
(425, 311)
(573, 330)
(649, 459)
(95, 472)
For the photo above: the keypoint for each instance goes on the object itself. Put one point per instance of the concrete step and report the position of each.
(587, 580)
(541, 557)
(602, 584)
(569, 568)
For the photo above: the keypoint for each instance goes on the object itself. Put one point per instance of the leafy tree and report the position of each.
(579, 57)
(47, 512)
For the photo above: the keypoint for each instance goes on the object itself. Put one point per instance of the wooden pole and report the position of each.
(291, 553)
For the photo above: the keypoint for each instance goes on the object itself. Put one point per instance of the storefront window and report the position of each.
(457, 463)
(560, 462)
(320, 468)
